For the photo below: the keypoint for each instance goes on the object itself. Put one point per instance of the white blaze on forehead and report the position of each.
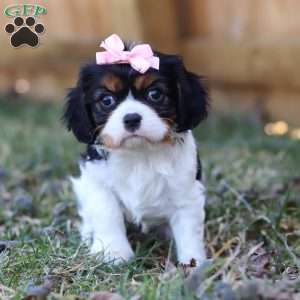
(152, 128)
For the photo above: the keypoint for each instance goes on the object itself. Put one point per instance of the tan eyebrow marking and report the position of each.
(142, 82)
(112, 83)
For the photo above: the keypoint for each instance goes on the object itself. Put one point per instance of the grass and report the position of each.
(252, 227)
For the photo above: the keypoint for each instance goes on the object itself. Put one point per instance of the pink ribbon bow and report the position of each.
(140, 57)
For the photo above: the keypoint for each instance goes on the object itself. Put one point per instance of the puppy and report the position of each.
(135, 109)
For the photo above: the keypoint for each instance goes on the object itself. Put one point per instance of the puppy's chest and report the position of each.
(145, 189)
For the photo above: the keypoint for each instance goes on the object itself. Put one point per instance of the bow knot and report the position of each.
(140, 57)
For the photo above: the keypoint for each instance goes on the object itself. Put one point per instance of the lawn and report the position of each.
(252, 225)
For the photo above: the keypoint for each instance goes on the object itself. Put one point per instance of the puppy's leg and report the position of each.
(187, 225)
(102, 220)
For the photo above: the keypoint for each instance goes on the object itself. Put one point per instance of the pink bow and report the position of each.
(140, 57)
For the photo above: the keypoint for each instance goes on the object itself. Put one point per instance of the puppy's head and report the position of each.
(119, 107)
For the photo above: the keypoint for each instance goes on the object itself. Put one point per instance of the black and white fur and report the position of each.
(144, 171)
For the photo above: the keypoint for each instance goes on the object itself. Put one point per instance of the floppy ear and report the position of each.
(76, 116)
(192, 105)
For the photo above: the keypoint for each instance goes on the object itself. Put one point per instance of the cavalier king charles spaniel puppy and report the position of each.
(135, 109)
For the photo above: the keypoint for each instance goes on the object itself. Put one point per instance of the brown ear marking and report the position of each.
(142, 82)
(112, 83)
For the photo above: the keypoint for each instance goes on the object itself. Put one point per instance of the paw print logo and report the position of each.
(24, 33)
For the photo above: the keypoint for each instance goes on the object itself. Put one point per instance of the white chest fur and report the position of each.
(144, 186)
(149, 186)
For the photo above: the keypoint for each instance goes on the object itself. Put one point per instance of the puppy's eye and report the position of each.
(155, 95)
(108, 101)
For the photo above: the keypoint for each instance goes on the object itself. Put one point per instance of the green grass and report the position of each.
(252, 226)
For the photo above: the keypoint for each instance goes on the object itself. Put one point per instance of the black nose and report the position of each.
(132, 122)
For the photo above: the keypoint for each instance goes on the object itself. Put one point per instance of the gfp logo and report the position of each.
(24, 10)
(24, 30)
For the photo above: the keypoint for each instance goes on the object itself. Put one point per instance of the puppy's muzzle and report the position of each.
(132, 122)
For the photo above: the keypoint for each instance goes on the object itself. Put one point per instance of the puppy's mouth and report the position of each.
(133, 136)
(134, 141)
(130, 141)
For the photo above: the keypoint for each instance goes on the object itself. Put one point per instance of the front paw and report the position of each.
(113, 253)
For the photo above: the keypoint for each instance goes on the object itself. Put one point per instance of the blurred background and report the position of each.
(248, 50)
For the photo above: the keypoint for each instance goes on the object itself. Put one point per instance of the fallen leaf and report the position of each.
(106, 296)
(4, 245)
(39, 292)
(196, 277)
(264, 290)
(24, 204)
(292, 273)
(258, 262)
(224, 291)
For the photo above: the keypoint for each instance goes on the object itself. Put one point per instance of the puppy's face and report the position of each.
(118, 107)
(129, 108)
